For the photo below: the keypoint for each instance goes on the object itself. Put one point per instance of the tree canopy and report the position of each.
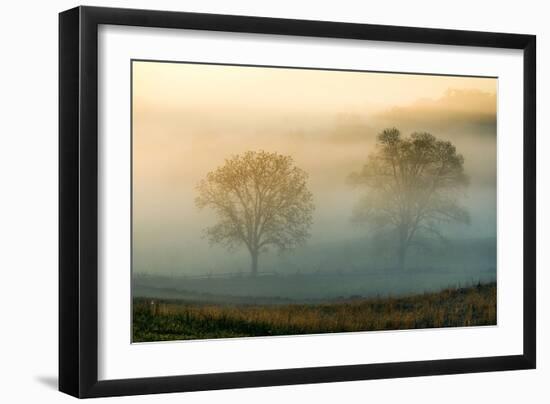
(413, 184)
(260, 199)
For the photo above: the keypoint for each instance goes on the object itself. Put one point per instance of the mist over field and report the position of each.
(188, 119)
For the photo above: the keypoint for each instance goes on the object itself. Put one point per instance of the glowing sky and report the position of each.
(188, 118)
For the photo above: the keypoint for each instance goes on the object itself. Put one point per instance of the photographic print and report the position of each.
(283, 201)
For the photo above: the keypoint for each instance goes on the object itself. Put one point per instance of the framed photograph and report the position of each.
(250, 201)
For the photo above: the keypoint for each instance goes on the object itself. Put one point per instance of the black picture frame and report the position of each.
(78, 201)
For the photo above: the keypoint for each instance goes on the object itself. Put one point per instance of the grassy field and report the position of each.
(164, 320)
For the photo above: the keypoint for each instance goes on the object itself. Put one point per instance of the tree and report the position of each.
(260, 199)
(413, 184)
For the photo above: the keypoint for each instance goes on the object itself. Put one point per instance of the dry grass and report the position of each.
(165, 320)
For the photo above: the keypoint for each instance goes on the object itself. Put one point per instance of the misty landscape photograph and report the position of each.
(283, 201)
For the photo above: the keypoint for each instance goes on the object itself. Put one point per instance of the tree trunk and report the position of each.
(401, 253)
(402, 248)
(254, 266)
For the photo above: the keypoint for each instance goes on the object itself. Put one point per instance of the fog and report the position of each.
(186, 123)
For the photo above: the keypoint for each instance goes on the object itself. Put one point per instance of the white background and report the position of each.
(121, 360)
(28, 214)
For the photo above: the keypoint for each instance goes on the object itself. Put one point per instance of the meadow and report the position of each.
(170, 319)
